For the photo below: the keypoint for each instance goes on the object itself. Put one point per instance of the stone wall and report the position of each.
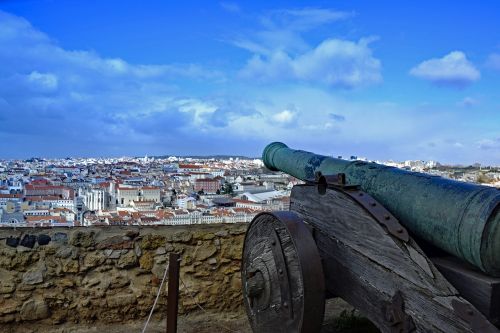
(112, 274)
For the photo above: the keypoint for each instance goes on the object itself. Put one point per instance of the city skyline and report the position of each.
(84, 160)
(226, 78)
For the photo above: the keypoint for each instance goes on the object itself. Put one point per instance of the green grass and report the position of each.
(348, 321)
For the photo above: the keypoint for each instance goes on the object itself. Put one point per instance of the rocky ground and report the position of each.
(339, 318)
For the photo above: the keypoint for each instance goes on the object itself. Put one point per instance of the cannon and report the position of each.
(413, 252)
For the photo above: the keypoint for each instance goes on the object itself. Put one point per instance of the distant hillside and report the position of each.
(218, 157)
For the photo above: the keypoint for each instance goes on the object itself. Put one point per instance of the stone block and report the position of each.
(9, 306)
(34, 310)
(83, 239)
(64, 252)
(91, 260)
(146, 261)
(182, 237)
(12, 241)
(114, 254)
(132, 234)
(115, 243)
(28, 241)
(70, 266)
(43, 239)
(161, 250)
(118, 280)
(152, 242)
(120, 300)
(205, 251)
(127, 260)
(35, 275)
(60, 237)
(222, 233)
(238, 231)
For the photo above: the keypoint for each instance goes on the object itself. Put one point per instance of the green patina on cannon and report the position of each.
(413, 252)
(460, 218)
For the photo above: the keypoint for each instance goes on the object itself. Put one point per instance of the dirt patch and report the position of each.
(197, 322)
(340, 317)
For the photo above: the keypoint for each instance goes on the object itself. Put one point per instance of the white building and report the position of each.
(126, 195)
(36, 212)
(217, 173)
(61, 203)
(185, 202)
(96, 199)
(150, 193)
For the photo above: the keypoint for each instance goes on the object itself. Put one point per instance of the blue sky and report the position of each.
(374, 79)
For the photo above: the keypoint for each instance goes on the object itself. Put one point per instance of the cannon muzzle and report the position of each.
(460, 218)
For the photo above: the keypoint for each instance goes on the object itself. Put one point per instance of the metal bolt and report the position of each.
(470, 312)
(373, 204)
(285, 304)
(387, 217)
(400, 230)
(360, 194)
(280, 271)
(273, 242)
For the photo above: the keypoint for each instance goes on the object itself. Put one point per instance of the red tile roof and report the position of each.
(11, 196)
(190, 166)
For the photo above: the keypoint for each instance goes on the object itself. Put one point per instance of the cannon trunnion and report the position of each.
(338, 240)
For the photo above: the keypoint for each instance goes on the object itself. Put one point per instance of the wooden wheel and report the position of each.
(282, 275)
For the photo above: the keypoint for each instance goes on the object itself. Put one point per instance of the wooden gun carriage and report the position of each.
(340, 239)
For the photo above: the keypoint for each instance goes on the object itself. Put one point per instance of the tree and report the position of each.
(227, 188)
(483, 179)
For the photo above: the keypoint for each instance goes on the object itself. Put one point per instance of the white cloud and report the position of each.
(282, 30)
(280, 52)
(453, 70)
(96, 105)
(198, 109)
(284, 117)
(43, 81)
(113, 103)
(25, 49)
(267, 42)
(489, 144)
(303, 19)
(334, 62)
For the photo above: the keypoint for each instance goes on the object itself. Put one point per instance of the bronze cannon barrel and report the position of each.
(460, 218)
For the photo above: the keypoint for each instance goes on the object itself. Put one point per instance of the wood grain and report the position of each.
(481, 290)
(367, 267)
